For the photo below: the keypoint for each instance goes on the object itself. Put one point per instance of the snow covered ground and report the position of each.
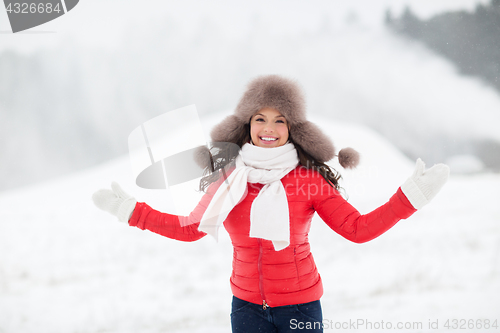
(66, 266)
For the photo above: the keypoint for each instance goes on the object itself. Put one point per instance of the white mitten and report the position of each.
(115, 201)
(423, 185)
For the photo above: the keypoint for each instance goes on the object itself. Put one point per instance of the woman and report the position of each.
(266, 194)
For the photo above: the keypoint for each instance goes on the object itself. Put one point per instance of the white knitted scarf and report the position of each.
(269, 216)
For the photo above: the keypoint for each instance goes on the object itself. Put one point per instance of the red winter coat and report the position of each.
(288, 276)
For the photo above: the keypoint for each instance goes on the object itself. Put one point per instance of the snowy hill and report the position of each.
(66, 266)
(70, 91)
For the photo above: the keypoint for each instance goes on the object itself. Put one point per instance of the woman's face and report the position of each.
(268, 128)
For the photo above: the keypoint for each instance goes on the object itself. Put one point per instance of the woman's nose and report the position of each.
(269, 128)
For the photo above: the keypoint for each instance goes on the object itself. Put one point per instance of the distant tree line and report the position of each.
(470, 40)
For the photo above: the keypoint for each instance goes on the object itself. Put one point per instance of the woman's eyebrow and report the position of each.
(260, 114)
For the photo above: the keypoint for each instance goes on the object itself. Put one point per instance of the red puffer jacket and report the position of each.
(262, 275)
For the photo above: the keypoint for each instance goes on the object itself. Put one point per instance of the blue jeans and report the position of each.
(250, 317)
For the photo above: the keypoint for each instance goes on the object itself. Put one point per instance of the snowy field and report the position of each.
(66, 266)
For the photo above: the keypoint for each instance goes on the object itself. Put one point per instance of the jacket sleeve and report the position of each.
(344, 219)
(183, 228)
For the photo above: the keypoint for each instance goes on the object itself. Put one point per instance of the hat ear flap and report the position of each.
(313, 141)
(228, 130)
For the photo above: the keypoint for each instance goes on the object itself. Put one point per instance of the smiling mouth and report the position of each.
(268, 139)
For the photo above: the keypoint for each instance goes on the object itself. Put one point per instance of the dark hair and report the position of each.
(221, 159)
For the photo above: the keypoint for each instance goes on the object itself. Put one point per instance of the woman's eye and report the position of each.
(259, 119)
(280, 121)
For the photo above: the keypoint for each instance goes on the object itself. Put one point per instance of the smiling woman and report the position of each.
(265, 195)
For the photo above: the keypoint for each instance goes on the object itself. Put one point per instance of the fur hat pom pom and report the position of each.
(348, 158)
(203, 157)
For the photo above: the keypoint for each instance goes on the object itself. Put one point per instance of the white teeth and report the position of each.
(269, 139)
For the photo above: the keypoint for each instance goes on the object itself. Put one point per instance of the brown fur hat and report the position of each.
(285, 96)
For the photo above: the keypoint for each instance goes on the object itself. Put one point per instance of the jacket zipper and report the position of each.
(261, 278)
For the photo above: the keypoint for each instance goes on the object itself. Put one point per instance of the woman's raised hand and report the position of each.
(423, 185)
(115, 201)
